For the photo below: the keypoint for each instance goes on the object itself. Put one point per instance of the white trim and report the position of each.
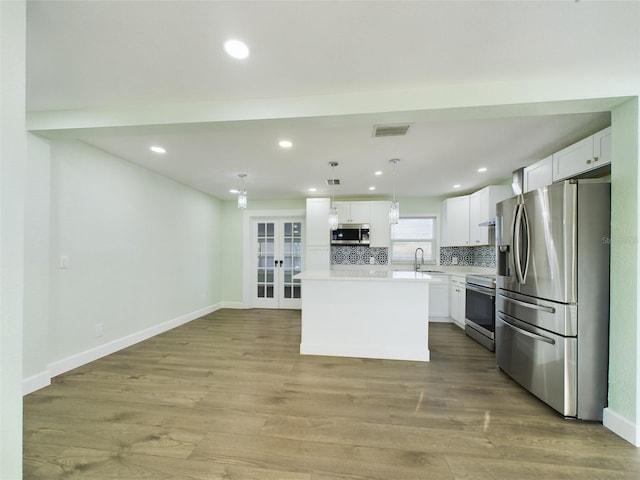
(440, 320)
(234, 305)
(365, 351)
(621, 426)
(82, 358)
(36, 382)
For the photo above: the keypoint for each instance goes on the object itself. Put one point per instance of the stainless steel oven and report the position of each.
(480, 309)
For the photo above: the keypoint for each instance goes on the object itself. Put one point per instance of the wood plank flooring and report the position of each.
(229, 397)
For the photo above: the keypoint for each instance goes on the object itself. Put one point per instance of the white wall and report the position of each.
(143, 254)
(12, 165)
(36, 263)
(623, 412)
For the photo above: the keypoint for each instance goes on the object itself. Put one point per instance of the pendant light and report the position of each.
(333, 211)
(394, 208)
(242, 193)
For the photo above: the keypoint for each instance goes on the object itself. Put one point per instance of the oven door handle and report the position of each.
(526, 333)
(533, 306)
(485, 291)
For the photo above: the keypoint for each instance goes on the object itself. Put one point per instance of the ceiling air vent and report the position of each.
(390, 130)
(333, 181)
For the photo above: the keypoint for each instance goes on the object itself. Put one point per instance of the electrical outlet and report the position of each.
(372, 260)
(64, 261)
(454, 260)
(99, 330)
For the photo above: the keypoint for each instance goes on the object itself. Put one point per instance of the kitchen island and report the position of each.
(366, 314)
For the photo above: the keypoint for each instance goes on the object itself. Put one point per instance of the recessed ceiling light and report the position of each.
(379, 172)
(482, 169)
(285, 143)
(313, 189)
(233, 190)
(372, 188)
(157, 149)
(236, 49)
(457, 185)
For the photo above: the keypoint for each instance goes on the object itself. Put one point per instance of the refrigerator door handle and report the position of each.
(525, 217)
(526, 333)
(542, 308)
(521, 224)
(516, 243)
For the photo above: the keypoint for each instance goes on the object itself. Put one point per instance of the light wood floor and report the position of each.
(229, 397)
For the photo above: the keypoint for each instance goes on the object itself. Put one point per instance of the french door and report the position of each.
(277, 257)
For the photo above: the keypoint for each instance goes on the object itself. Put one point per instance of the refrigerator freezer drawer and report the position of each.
(554, 317)
(542, 362)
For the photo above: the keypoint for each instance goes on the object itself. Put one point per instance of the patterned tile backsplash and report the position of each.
(469, 256)
(353, 255)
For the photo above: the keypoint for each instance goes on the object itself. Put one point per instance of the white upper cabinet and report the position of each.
(482, 210)
(602, 148)
(455, 222)
(317, 227)
(462, 216)
(317, 250)
(353, 212)
(538, 175)
(376, 214)
(379, 235)
(581, 157)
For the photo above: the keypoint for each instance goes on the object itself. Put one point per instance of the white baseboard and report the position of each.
(234, 305)
(365, 351)
(440, 320)
(36, 382)
(621, 426)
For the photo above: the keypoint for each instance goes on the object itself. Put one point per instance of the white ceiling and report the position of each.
(122, 57)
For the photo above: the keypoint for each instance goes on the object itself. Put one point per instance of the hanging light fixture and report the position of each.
(242, 193)
(394, 208)
(333, 211)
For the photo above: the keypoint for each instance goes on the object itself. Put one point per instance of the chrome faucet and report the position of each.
(415, 259)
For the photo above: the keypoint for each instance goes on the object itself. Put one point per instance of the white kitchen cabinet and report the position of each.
(455, 222)
(379, 220)
(439, 298)
(588, 154)
(482, 209)
(317, 224)
(539, 174)
(353, 212)
(457, 298)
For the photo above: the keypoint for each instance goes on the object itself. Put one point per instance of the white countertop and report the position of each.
(455, 270)
(368, 275)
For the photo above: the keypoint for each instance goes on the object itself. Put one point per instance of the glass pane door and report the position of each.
(277, 259)
(292, 256)
(266, 262)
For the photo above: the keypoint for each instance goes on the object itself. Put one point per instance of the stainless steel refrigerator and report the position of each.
(552, 302)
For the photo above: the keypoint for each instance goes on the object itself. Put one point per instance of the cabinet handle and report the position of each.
(589, 162)
(595, 159)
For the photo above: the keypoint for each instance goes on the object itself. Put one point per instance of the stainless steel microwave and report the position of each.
(351, 234)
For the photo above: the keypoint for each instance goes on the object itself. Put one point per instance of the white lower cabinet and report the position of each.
(457, 294)
(439, 298)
